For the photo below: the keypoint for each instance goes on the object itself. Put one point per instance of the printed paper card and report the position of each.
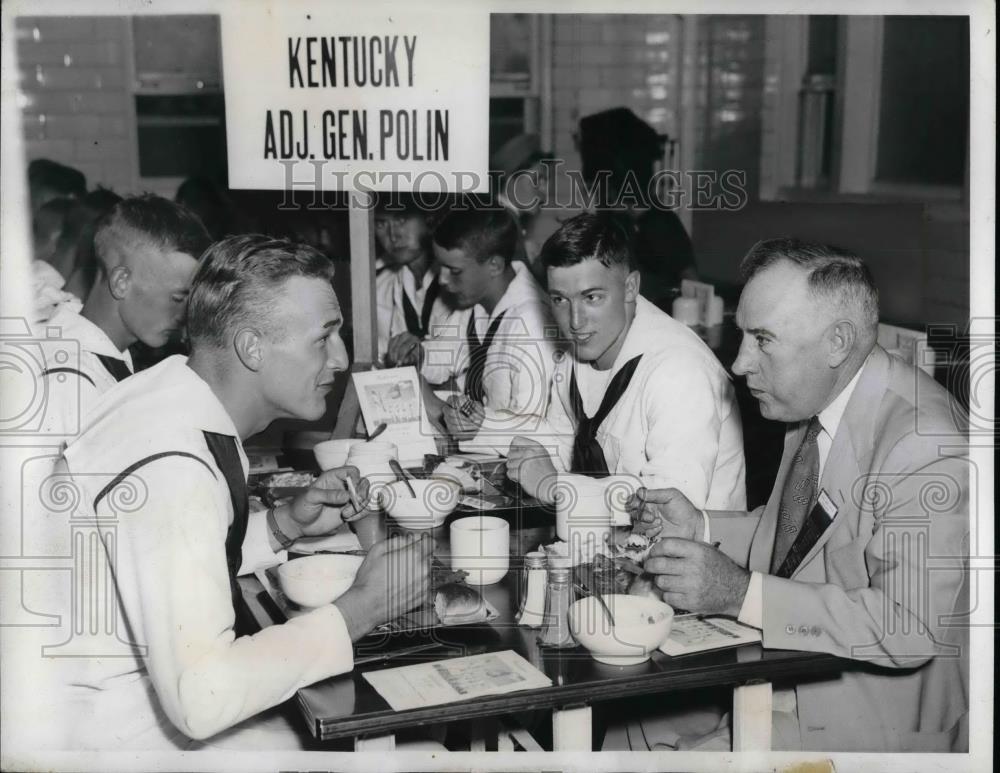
(447, 681)
(393, 396)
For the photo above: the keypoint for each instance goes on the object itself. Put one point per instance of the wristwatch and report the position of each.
(281, 538)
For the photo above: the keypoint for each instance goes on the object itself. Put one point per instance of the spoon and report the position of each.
(600, 600)
(378, 431)
(402, 475)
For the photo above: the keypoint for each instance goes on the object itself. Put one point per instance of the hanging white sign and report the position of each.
(350, 100)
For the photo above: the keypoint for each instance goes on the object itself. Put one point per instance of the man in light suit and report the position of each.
(861, 550)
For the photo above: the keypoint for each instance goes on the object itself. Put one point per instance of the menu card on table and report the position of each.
(393, 396)
(693, 633)
(456, 679)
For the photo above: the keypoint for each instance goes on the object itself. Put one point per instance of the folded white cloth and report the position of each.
(47, 293)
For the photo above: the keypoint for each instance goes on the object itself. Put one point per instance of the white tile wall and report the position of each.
(78, 112)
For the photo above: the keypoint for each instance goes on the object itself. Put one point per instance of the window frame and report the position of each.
(857, 114)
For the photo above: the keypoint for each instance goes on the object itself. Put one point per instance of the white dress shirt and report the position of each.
(519, 363)
(390, 286)
(677, 425)
(164, 527)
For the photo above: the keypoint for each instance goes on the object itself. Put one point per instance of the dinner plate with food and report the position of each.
(618, 568)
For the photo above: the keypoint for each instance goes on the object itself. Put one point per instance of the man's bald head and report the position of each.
(809, 316)
(838, 280)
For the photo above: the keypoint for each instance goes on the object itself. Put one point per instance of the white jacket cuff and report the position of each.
(752, 611)
(257, 551)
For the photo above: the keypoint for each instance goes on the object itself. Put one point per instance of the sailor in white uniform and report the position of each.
(640, 394)
(161, 469)
(497, 349)
(147, 249)
(407, 292)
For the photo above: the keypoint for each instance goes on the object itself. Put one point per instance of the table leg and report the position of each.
(481, 733)
(511, 731)
(571, 729)
(375, 743)
(752, 717)
(504, 742)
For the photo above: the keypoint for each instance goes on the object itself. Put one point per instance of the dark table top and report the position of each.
(348, 705)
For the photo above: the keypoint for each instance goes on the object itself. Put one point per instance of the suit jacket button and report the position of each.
(803, 630)
(815, 630)
(789, 629)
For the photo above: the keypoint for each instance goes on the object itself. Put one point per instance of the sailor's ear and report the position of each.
(497, 265)
(631, 287)
(249, 345)
(119, 281)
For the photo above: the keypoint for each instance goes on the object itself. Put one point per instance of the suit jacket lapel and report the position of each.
(852, 447)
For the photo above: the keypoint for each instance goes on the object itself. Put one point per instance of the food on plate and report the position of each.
(633, 549)
(620, 572)
(289, 480)
(633, 546)
(442, 575)
(464, 473)
(557, 549)
(458, 600)
(602, 576)
(615, 567)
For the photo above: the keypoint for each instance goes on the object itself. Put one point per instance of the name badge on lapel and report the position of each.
(827, 504)
(819, 518)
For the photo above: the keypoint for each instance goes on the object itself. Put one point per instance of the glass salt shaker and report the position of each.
(558, 597)
(532, 609)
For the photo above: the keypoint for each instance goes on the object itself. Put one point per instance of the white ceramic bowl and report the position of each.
(313, 581)
(333, 453)
(372, 459)
(434, 500)
(380, 448)
(632, 638)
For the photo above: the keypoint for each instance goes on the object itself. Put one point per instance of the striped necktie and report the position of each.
(477, 357)
(418, 325)
(798, 495)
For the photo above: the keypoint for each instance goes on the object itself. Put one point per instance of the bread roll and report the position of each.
(454, 600)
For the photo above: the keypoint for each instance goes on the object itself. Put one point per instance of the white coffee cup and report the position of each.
(716, 311)
(686, 311)
(480, 545)
(333, 453)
